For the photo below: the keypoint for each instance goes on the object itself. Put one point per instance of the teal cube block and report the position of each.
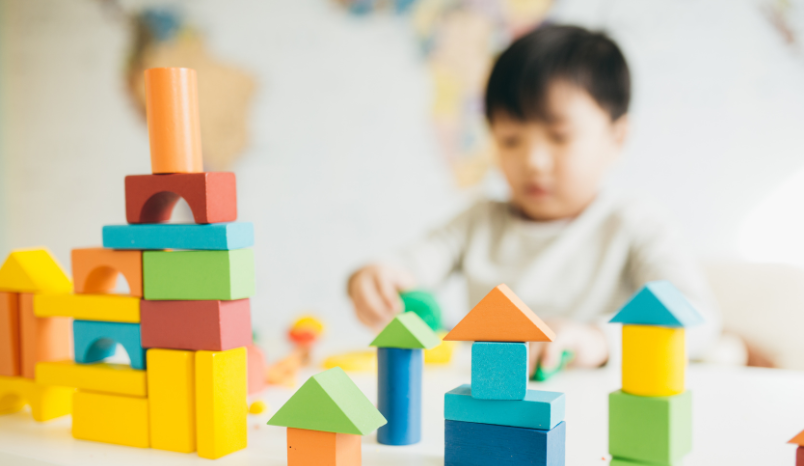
(499, 370)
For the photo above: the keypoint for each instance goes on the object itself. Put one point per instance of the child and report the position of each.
(557, 105)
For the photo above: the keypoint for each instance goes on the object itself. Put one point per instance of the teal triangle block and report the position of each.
(407, 331)
(659, 303)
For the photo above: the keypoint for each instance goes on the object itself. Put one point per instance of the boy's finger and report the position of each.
(535, 351)
(388, 294)
(551, 356)
(371, 301)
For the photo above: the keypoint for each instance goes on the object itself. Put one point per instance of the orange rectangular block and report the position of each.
(95, 270)
(316, 448)
(9, 335)
(42, 338)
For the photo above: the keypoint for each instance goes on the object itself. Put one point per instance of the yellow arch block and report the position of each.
(47, 402)
(654, 360)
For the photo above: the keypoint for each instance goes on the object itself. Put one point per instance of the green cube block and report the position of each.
(196, 275)
(653, 429)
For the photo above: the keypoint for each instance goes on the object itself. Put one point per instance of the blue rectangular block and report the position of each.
(399, 395)
(95, 341)
(212, 237)
(539, 410)
(499, 370)
(470, 444)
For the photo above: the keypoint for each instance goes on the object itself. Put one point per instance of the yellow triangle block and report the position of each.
(33, 271)
(501, 316)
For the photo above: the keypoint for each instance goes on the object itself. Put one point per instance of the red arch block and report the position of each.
(212, 196)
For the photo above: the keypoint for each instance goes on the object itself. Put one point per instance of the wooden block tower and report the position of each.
(497, 420)
(185, 321)
(650, 419)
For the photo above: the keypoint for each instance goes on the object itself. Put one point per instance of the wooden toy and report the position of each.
(352, 361)
(46, 402)
(211, 196)
(542, 375)
(406, 330)
(257, 408)
(328, 402)
(42, 338)
(33, 271)
(122, 420)
(650, 429)
(501, 316)
(107, 308)
(10, 335)
(624, 462)
(256, 369)
(221, 402)
(658, 303)
(171, 399)
(471, 444)
(213, 236)
(539, 410)
(799, 440)
(96, 341)
(653, 361)
(424, 304)
(95, 270)
(198, 275)
(303, 334)
(441, 354)
(115, 379)
(174, 124)
(196, 325)
(499, 370)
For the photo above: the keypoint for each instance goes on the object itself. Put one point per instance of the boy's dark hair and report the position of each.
(522, 74)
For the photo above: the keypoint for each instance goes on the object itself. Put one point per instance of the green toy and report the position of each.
(542, 375)
(424, 304)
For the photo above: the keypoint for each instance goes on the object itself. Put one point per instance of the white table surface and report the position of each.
(742, 416)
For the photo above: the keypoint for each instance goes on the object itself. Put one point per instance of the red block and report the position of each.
(800, 456)
(256, 369)
(212, 196)
(195, 325)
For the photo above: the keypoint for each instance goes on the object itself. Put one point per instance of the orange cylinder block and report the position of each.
(174, 125)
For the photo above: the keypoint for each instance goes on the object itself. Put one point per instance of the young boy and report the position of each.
(557, 105)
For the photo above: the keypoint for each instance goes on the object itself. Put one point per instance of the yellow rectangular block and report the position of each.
(105, 307)
(47, 402)
(122, 420)
(654, 360)
(171, 388)
(221, 402)
(116, 379)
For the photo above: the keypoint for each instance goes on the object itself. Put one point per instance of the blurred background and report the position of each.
(355, 125)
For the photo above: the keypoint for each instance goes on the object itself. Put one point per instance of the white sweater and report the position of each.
(584, 269)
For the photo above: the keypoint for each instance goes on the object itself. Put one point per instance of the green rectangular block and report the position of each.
(623, 462)
(197, 275)
(651, 429)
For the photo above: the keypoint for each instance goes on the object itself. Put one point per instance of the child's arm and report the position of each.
(374, 290)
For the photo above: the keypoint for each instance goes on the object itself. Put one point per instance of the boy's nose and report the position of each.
(540, 159)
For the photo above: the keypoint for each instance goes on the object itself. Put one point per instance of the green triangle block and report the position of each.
(408, 331)
(329, 402)
(424, 304)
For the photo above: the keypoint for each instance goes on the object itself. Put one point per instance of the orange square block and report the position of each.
(9, 335)
(95, 270)
(316, 448)
(42, 338)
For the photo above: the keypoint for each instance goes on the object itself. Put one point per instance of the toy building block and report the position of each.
(658, 303)
(95, 270)
(256, 369)
(196, 325)
(654, 360)
(407, 331)
(107, 308)
(424, 304)
(33, 271)
(470, 444)
(96, 341)
(799, 440)
(42, 338)
(800, 456)
(542, 375)
(171, 399)
(499, 370)
(122, 420)
(10, 335)
(501, 316)
(213, 236)
(198, 275)
(174, 124)
(650, 429)
(46, 402)
(625, 462)
(212, 197)
(539, 410)
(316, 448)
(115, 379)
(221, 402)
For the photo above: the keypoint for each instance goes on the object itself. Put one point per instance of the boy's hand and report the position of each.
(374, 290)
(587, 342)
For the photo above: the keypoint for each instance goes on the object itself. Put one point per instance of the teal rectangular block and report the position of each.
(499, 370)
(539, 410)
(198, 275)
(212, 236)
(650, 429)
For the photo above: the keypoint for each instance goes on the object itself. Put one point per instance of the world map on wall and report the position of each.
(459, 40)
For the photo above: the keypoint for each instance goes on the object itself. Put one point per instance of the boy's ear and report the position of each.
(621, 127)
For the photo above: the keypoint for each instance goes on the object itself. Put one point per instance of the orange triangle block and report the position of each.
(798, 439)
(501, 316)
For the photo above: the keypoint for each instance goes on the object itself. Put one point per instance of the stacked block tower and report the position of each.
(650, 419)
(185, 322)
(497, 419)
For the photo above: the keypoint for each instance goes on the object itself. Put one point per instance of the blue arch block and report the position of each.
(96, 341)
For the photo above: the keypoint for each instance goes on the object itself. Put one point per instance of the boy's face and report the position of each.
(555, 168)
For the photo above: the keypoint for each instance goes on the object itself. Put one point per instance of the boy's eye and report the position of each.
(558, 137)
(511, 142)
